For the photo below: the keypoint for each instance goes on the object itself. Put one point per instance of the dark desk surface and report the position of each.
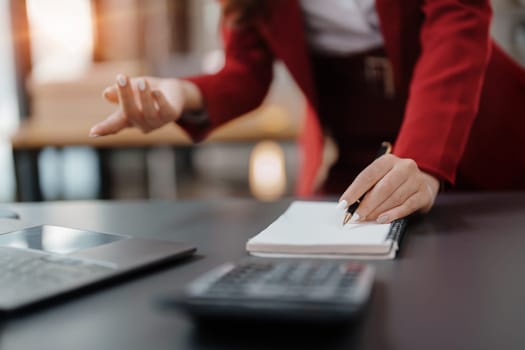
(459, 282)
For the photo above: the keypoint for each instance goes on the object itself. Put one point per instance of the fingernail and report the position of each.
(355, 218)
(105, 93)
(343, 204)
(382, 219)
(156, 93)
(141, 84)
(121, 80)
(93, 133)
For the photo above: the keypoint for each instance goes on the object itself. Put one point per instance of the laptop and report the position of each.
(44, 262)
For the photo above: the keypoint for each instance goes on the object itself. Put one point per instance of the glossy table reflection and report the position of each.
(458, 283)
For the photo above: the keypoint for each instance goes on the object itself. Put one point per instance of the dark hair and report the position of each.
(242, 11)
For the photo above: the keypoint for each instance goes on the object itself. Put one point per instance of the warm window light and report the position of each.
(61, 38)
(267, 171)
(8, 105)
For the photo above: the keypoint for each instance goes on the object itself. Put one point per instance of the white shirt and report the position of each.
(341, 26)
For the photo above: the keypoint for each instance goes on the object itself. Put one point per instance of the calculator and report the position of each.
(320, 291)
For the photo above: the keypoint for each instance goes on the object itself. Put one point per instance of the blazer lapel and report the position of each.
(390, 18)
(283, 29)
(400, 23)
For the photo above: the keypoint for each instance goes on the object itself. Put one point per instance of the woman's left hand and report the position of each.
(394, 187)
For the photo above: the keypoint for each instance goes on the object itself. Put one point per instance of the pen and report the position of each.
(386, 147)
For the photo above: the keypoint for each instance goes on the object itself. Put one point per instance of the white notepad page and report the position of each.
(314, 229)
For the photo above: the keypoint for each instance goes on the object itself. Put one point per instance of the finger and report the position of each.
(431, 187)
(397, 198)
(368, 178)
(403, 170)
(417, 201)
(127, 99)
(381, 192)
(128, 103)
(149, 111)
(111, 125)
(167, 112)
(110, 94)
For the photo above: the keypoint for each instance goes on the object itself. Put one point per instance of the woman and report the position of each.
(451, 99)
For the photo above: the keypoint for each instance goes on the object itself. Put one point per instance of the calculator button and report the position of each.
(288, 280)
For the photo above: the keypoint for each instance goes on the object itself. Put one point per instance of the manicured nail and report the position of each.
(141, 84)
(93, 132)
(382, 219)
(355, 218)
(343, 204)
(121, 80)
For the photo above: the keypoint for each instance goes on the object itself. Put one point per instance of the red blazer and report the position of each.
(465, 110)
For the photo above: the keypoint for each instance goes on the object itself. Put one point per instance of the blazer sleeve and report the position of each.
(446, 85)
(240, 86)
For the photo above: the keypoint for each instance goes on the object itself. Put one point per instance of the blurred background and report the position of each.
(56, 56)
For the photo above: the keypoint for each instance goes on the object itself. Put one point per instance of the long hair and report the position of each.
(242, 11)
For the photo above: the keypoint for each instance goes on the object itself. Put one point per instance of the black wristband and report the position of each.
(196, 118)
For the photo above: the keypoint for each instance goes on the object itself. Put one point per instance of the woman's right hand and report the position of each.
(147, 103)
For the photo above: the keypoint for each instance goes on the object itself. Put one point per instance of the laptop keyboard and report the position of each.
(27, 276)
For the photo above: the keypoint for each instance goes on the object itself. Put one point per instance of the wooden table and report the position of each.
(268, 122)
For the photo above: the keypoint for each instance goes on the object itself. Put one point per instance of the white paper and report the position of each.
(316, 228)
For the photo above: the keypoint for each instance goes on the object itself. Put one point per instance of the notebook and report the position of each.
(314, 229)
